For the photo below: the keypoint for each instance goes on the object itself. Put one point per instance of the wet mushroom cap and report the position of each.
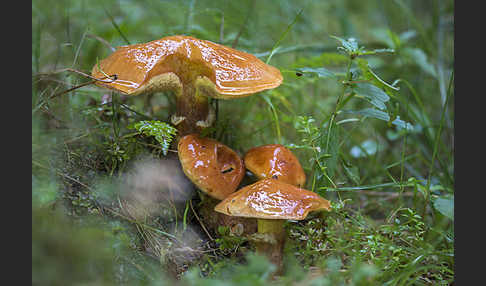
(272, 199)
(212, 166)
(275, 161)
(171, 62)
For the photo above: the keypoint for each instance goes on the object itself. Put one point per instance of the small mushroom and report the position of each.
(275, 161)
(272, 202)
(194, 69)
(212, 166)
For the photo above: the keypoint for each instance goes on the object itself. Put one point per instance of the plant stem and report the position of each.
(338, 101)
(436, 146)
(339, 104)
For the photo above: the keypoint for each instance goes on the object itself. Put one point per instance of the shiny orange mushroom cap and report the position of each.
(171, 62)
(272, 199)
(212, 166)
(275, 161)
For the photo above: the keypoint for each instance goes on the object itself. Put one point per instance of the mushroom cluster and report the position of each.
(272, 200)
(196, 70)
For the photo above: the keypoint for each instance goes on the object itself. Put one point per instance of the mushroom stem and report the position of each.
(271, 240)
(274, 226)
(191, 108)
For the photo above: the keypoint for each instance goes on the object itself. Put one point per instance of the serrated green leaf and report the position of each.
(445, 205)
(375, 95)
(315, 72)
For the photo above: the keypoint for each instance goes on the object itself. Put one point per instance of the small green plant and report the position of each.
(256, 271)
(358, 81)
(164, 133)
(227, 241)
(394, 246)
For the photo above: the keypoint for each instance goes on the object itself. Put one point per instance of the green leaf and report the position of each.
(223, 230)
(352, 173)
(375, 95)
(391, 39)
(386, 36)
(375, 51)
(394, 38)
(370, 112)
(407, 35)
(445, 205)
(420, 58)
(163, 132)
(378, 114)
(402, 124)
(315, 72)
(372, 77)
(350, 46)
(367, 187)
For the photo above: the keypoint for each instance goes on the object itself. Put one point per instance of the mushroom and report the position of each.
(272, 202)
(212, 166)
(275, 161)
(194, 69)
(217, 171)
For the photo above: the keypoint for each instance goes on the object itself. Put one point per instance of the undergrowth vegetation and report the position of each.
(367, 105)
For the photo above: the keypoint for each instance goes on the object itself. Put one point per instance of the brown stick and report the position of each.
(103, 41)
(78, 72)
(112, 78)
(202, 225)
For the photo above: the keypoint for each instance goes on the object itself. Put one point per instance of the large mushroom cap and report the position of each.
(272, 199)
(212, 166)
(219, 71)
(275, 161)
